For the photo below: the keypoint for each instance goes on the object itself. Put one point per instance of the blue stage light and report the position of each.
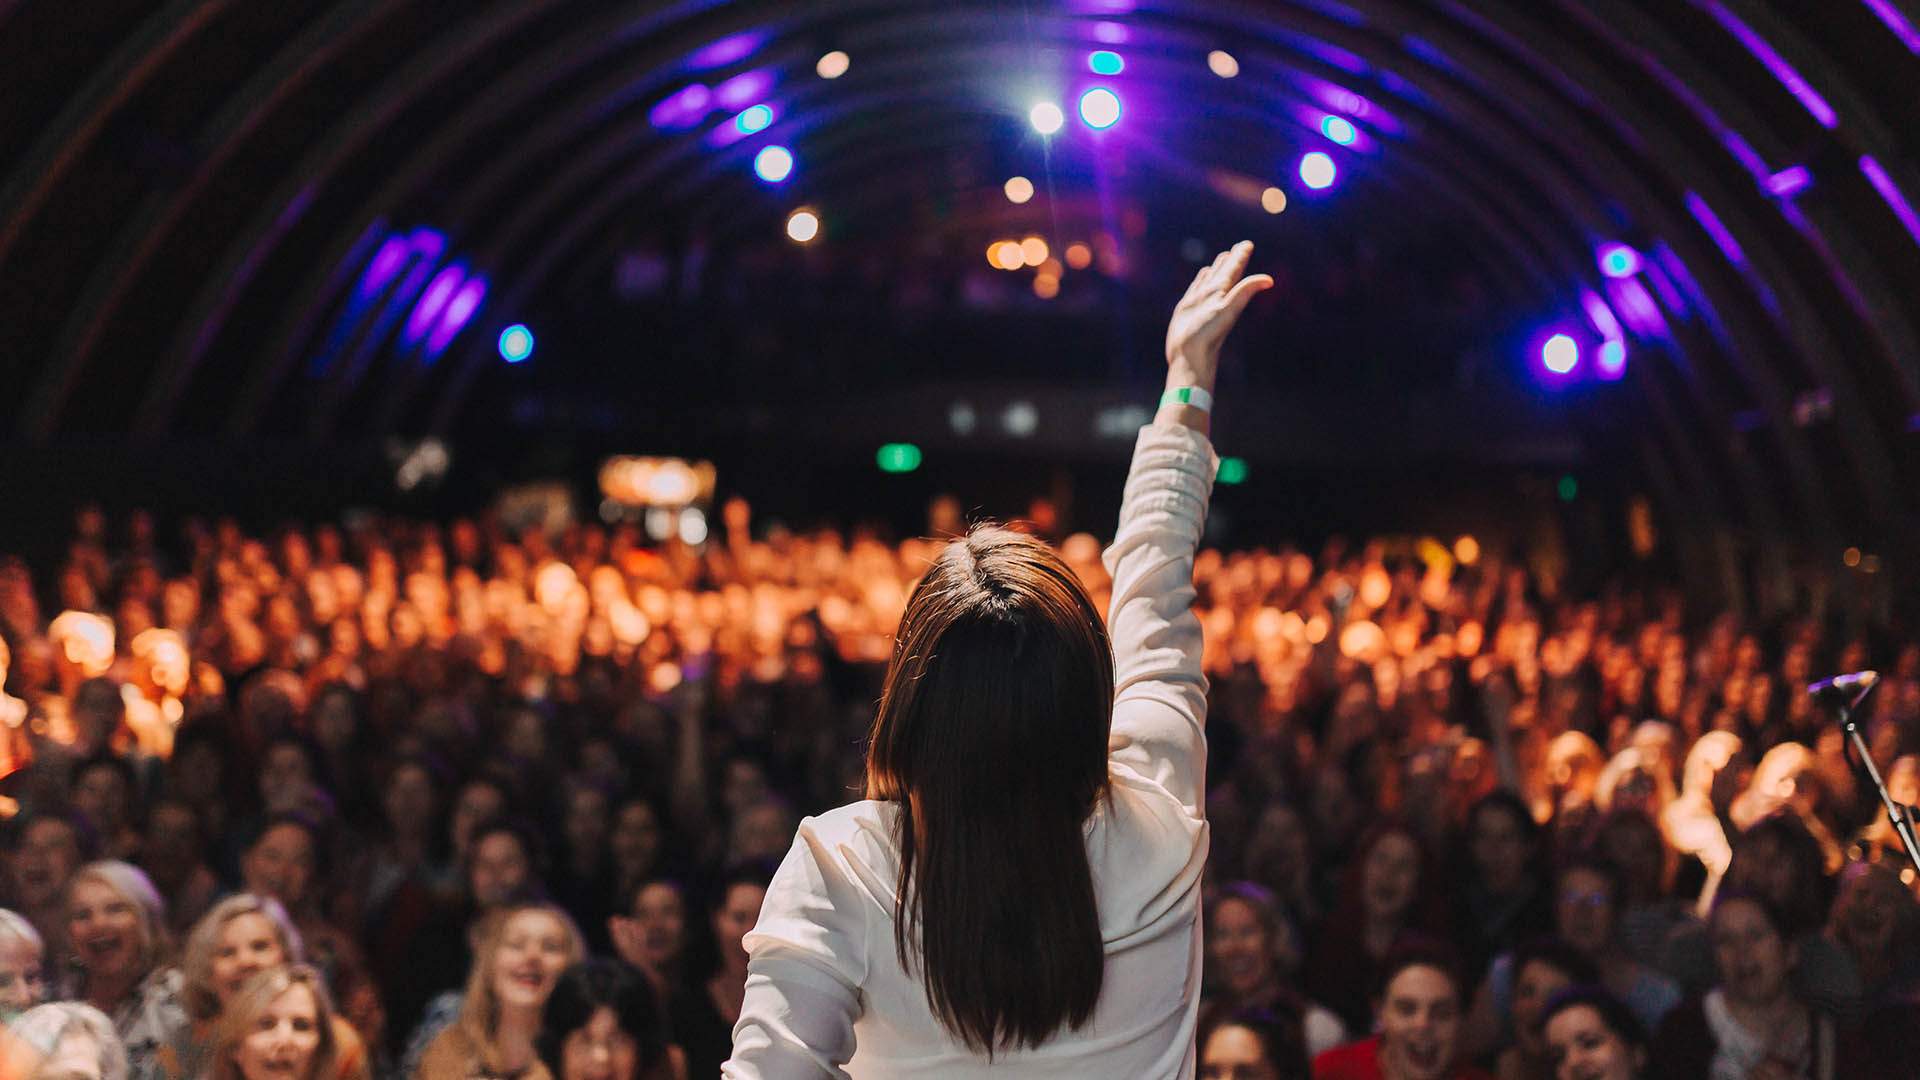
(753, 119)
(1100, 108)
(1560, 354)
(516, 343)
(1105, 62)
(773, 164)
(1317, 171)
(1339, 129)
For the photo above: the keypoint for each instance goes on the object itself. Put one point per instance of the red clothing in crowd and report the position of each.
(1361, 1061)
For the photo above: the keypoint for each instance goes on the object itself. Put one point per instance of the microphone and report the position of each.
(1849, 688)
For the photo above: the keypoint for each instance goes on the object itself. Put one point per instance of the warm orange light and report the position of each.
(1019, 189)
(1079, 255)
(1362, 640)
(1006, 255)
(1033, 251)
(1273, 200)
(1467, 550)
(1045, 286)
(1375, 587)
(1222, 63)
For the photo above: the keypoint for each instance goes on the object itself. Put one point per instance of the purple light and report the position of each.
(1884, 184)
(1774, 62)
(459, 312)
(1619, 260)
(1110, 33)
(432, 303)
(1636, 307)
(743, 89)
(1612, 360)
(726, 51)
(682, 109)
(1711, 222)
(1901, 26)
(1790, 182)
(1600, 315)
(1669, 275)
(386, 263)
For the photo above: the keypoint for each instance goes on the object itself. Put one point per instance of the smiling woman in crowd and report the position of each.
(1420, 1009)
(240, 937)
(523, 949)
(116, 923)
(279, 1026)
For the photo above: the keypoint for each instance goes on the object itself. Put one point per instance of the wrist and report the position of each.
(1183, 370)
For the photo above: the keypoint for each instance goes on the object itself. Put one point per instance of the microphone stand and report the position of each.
(1899, 815)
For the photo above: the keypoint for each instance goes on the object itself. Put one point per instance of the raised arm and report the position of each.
(1160, 695)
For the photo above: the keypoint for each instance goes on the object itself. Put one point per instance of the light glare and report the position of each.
(1019, 189)
(1273, 200)
(833, 65)
(1046, 118)
(1100, 108)
(773, 164)
(1560, 354)
(802, 226)
(1317, 171)
(1222, 63)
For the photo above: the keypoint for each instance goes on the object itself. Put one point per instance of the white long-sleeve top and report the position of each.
(826, 995)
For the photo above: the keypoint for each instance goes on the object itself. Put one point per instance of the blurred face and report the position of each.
(1538, 981)
(104, 928)
(172, 838)
(249, 944)
(1234, 1053)
(409, 798)
(736, 916)
(662, 915)
(1238, 947)
(1754, 960)
(1499, 850)
(1583, 1047)
(500, 868)
(280, 864)
(599, 1050)
(1867, 912)
(284, 778)
(586, 826)
(100, 795)
(49, 854)
(635, 841)
(534, 949)
(1419, 1025)
(23, 981)
(477, 803)
(1389, 877)
(284, 1040)
(1583, 909)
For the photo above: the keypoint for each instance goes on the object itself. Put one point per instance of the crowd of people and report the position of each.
(401, 799)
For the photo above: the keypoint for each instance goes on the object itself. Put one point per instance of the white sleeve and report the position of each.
(806, 961)
(1160, 694)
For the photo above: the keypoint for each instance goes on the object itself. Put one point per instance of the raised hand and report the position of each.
(1212, 305)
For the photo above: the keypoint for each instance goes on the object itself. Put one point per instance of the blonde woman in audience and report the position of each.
(279, 1026)
(523, 949)
(116, 924)
(240, 937)
(65, 1041)
(23, 972)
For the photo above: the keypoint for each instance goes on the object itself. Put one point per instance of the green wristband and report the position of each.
(1191, 396)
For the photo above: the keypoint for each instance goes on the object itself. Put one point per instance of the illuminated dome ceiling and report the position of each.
(248, 219)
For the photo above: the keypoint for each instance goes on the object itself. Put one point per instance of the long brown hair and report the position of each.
(260, 992)
(991, 737)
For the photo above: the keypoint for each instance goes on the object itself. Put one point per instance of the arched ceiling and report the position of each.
(217, 217)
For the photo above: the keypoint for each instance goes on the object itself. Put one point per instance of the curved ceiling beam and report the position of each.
(41, 170)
